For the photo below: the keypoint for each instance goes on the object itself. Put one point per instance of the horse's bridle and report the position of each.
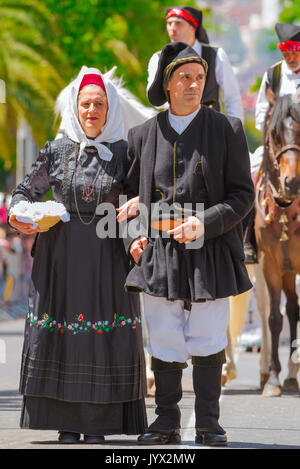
(279, 153)
(277, 194)
(276, 160)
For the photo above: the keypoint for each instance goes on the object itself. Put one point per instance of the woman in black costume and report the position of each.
(83, 366)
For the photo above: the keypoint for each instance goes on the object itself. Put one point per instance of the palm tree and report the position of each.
(32, 69)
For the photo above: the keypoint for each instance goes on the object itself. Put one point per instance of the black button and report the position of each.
(179, 190)
(179, 175)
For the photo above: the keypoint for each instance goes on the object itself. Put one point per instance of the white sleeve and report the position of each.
(256, 159)
(228, 83)
(152, 67)
(262, 105)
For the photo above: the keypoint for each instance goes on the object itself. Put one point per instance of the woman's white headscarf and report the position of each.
(124, 112)
(111, 132)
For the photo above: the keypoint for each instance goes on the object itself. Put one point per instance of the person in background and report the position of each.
(185, 24)
(3, 211)
(4, 246)
(280, 79)
(283, 77)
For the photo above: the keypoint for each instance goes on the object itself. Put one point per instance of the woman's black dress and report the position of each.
(82, 365)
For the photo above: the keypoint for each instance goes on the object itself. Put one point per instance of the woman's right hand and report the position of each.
(25, 228)
(128, 210)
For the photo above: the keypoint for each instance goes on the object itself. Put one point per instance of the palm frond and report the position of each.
(32, 68)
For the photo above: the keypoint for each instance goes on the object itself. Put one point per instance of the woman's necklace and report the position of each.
(88, 191)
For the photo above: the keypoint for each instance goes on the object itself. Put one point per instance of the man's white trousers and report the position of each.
(176, 334)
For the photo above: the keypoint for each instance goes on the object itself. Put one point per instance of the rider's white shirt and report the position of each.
(288, 85)
(225, 78)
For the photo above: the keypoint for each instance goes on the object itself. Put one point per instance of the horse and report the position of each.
(277, 228)
(239, 306)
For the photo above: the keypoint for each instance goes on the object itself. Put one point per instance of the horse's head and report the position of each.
(282, 145)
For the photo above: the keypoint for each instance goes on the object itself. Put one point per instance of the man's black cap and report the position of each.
(176, 53)
(287, 32)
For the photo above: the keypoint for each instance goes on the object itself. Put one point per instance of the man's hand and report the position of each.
(190, 229)
(25, 228)
(137, 247)
(128, 210)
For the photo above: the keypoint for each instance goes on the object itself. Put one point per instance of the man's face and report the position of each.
(180, 30)
(292, 59)
(186, 87)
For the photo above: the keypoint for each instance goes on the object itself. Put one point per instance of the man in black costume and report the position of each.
(189, 154)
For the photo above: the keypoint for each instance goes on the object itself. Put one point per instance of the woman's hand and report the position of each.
(25, 228)
(190, 229)
(137, 246)
(128, 210)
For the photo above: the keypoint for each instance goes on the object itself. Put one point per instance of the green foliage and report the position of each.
(104, 33)
(30, 65)
(43, 45)
(290, 11)
(256, 85)
(254, 136)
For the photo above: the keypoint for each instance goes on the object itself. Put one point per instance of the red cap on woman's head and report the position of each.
(92, 79)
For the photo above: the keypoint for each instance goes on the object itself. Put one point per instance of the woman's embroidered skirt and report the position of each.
(83, 364)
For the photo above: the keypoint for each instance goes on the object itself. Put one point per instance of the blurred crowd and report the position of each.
(15, 261)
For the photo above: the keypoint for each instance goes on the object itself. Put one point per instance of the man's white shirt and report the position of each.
(288, 85)
(225, 78)
(180, 123)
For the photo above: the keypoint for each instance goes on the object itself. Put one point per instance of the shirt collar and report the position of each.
(180, 123)
(197, 46)
(188, 117)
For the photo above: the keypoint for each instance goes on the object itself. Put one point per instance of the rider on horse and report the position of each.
(284, 76)
(282, 79)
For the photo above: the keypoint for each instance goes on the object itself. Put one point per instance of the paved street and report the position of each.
(251, 421)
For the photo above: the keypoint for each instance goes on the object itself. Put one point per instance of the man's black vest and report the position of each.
(274, 76)
(211, 90)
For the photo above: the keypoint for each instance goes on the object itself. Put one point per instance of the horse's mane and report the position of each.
(285, 106)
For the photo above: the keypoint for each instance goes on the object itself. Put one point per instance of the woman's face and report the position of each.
(92, 107)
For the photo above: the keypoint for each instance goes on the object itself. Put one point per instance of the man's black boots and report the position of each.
(168, 392)
(207, 374)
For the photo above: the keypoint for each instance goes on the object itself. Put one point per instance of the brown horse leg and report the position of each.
(263, 307)
(274, 284)
(292, 311)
